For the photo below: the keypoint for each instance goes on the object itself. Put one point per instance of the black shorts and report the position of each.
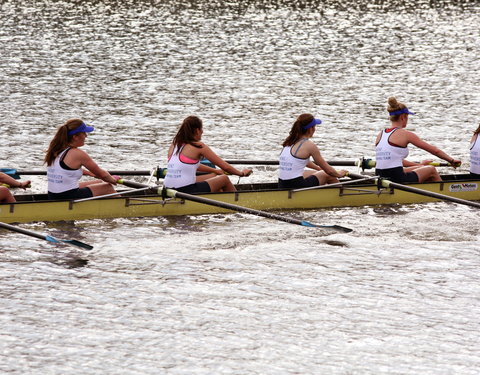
(397, 175)
(197, 187)
(78, 193)
(298, 183)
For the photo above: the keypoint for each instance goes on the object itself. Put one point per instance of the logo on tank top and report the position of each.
(456, 188)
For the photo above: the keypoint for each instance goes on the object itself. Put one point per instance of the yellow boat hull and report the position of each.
(26, 210)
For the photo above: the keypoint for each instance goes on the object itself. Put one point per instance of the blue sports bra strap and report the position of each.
(302, 141)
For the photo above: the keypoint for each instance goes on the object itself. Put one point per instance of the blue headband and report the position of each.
(314, 122)
(84, 128)
(400, 111)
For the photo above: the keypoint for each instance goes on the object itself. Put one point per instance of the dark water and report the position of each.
(235, 294)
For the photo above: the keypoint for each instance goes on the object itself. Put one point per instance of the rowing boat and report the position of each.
(266, 196)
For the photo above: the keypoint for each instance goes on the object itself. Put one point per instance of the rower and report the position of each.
(184, 155)
(392, 150)
(65, 160)
(5, 195)
(295, 156)
(475, 154)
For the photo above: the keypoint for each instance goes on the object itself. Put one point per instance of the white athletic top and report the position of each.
(179, 173)
(387, 155)
(59, 179)
(475, 156)
(291, 166)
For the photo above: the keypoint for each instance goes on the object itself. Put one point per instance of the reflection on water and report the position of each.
(236, 293)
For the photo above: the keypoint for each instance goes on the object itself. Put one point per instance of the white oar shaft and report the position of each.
(110, 195)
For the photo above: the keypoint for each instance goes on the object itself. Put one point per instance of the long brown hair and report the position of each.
(297, 131)
(61, 140)
(186, 133)
(394, 105)
(478, 130)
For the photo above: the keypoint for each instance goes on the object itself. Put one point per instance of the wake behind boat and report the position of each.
(264, 196)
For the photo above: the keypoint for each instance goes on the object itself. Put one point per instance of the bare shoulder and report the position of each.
(311, 145)
(79, 153)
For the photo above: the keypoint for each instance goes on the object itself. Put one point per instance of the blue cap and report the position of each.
(314, 122)
(84, 128)
(400, 111)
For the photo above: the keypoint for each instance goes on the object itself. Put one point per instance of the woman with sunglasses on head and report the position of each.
(184, 155)
(392, 150)
(295, 156)
(65, 160)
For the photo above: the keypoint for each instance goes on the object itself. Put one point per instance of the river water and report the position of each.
(236, 294)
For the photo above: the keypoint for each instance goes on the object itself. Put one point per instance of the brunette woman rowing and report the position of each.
(295, 156)
(65, 160)
(184, 155)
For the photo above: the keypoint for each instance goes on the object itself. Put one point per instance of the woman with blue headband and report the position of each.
(295, 156)
(65, 161)
(392, 150)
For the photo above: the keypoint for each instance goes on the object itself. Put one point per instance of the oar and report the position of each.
(44, 237)
(387, 183)
(16, 187)
(161, 172)
(363, 163)
(177, 194)
(13, 172)
(346, 163)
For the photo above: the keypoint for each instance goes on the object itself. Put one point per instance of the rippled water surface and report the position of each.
(236, 294)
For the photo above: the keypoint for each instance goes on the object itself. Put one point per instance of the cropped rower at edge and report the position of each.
(391, 149)
(295, 157)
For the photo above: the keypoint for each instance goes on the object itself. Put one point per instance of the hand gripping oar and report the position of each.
(387, 183)
(44, 237)
(177, 194)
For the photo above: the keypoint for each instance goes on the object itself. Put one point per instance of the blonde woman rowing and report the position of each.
(392, 150)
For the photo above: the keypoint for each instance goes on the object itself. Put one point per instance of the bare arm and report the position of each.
(208, 153)
(312, 165)
(206, 168)
(92, 167)
(417, 141)
(6, 179)
(320, 161)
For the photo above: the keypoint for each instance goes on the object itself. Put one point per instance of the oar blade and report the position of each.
(77, 243)
(337, 228)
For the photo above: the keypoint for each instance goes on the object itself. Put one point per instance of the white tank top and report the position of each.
(291, 166)
(180, 174)
(59, 179)
(388, 156)
(475, 156)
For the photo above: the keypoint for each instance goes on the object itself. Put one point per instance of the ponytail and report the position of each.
(298, 129)
(61, 140)
(186, 133)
